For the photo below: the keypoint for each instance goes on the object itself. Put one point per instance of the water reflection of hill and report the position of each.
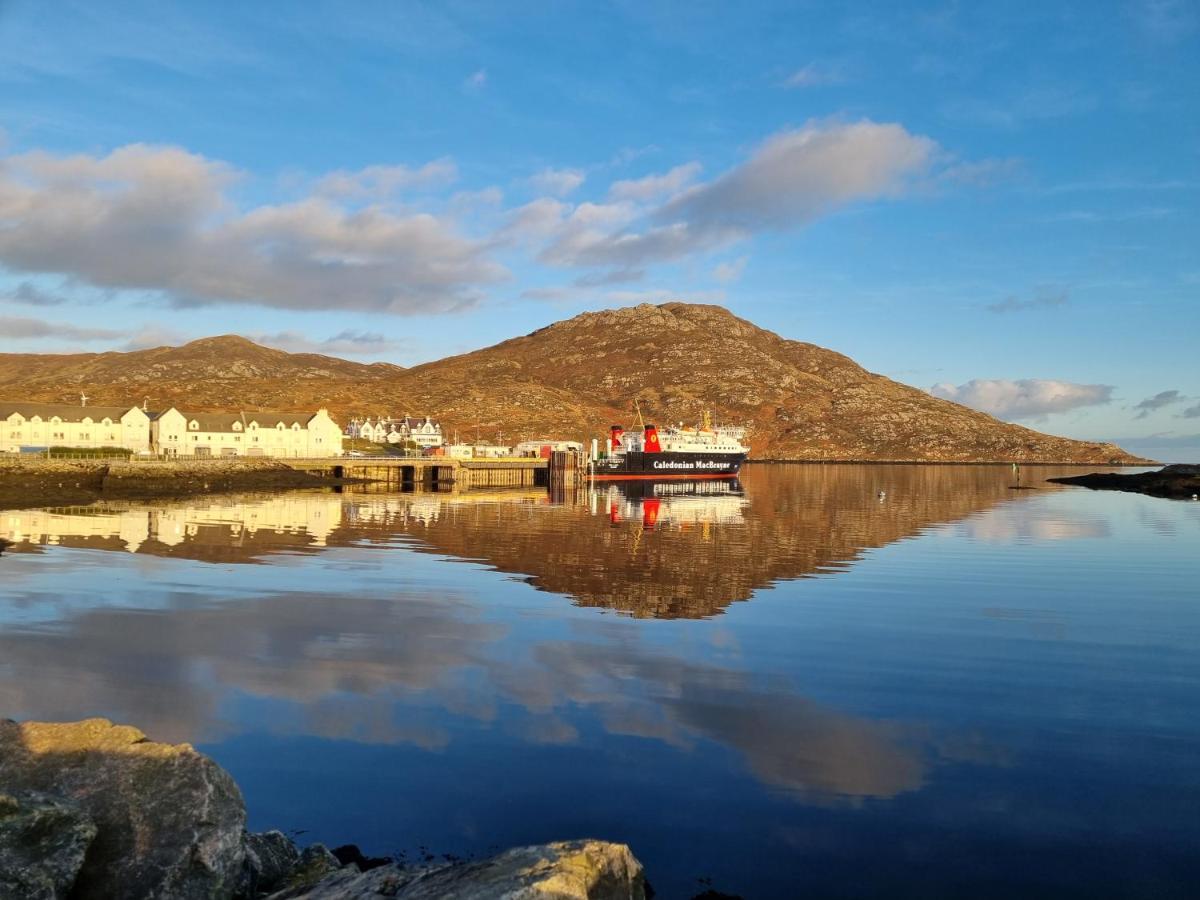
(667, 551)
(693, 556)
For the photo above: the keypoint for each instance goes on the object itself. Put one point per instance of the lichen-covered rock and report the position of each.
(314, 864)
(169, 821)
(568, 870)
(42, 845)
(270, 858)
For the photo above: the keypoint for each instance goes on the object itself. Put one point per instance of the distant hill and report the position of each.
(571, 379)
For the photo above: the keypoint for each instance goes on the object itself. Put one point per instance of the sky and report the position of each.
(999, 203)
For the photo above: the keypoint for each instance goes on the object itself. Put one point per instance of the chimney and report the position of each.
(614, 437)
(652, 444)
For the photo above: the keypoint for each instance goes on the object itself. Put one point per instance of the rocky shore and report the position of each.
(92, 810)
(40, 482)
(1179, 482)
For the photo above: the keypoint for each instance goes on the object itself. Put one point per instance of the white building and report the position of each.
(477, 451)
(44, 425)
(424, 432)
(176, 433)
(545, 448)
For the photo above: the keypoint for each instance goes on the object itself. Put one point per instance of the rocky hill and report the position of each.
(571, 379)
(212, 374)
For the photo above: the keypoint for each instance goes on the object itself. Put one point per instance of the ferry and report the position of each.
(704, 451)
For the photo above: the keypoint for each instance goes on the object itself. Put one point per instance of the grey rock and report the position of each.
(42, 846)
(169, 821)
(567, 870)
(314, 865)
(270, 858)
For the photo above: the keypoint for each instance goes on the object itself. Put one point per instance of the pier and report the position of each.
(431, 471)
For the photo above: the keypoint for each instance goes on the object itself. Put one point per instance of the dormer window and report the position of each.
(193, 425)
(87, 420)
(237, 426)
(280, 426)
(55, 420)
(107, 421)
(295, 426)
(254, 426)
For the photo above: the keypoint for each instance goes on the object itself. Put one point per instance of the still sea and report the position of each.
(834, 681)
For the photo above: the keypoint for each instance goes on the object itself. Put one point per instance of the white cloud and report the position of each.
(31, 295)
(1045, 300)
(1027, 398)
(1168, 21)
(655, 186)
(558, 182)
(376, 183)
(1157, 402)
(159, 219)
(982, 173)
(16, 327)
(795, 176)
(348, 341)
(813, 75)
(149, 336)
(729, 272)
(791, 178)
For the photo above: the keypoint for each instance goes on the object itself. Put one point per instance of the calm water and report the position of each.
(784, 686)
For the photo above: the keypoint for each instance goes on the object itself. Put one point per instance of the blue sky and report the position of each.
(999, 200)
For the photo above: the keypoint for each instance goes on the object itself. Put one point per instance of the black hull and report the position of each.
(668, 465)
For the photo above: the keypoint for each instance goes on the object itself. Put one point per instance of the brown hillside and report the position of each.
(570, 380)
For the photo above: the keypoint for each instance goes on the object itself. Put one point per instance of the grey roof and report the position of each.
(411, 422)
(68, 412)
(225, 421)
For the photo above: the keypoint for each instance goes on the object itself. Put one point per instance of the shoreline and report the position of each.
(26, 483)
(760, 461)
(40, 482)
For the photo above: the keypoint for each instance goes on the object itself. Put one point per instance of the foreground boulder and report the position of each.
(1180, 481)
(168, 821)
(42, 845)
(94, 810)
(567, 870)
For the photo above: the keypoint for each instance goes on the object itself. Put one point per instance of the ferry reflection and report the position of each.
(680, 505)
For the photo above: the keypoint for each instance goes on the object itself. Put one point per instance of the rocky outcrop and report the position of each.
(567, 870)
(95, 810)
(1179, 482)
(169, 822)
(43, 841)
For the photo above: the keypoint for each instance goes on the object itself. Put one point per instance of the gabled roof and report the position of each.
(68, 412)
(226, 421)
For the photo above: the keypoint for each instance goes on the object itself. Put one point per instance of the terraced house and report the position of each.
(38, 426)
(178, 433)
